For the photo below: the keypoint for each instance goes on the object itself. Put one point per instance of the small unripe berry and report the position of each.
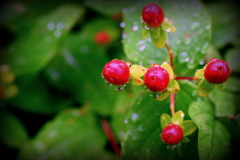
(153, 15)
(172, 134)
(216, 71)
(102, 38)
(116, 72)
(156, 79)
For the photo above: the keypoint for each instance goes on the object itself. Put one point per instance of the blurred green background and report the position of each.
(50, 66)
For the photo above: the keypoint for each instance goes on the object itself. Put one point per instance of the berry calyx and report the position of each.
(116, 72)
(172, 134)
(156, 79)
(102, 38)
(153, 15)
(216, 71)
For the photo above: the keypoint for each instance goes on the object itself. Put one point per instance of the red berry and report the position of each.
(116, 72)
(156, 79)
(216, 71)
(172, 134)
(153, 15)
(102, 38)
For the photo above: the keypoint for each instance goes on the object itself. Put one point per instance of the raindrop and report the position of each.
(125, 121)
(141, 48)
(108, 84)
(135, 28)
(50, 26)
(124, 36)
(155, 72)
(182, 56)
(207, 27)
(190, 64)
(60, 26)
(195, 26)
(119, 88)
(55, 75)
(124, 10)
(134, 117)
(57, 34)
(201, 63)
(187, 59)
(121, 65)
(145, 26)
(122, 24)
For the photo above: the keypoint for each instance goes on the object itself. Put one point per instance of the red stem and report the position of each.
(172, 103)
(170, 53)
(184, 78)
(110, 136)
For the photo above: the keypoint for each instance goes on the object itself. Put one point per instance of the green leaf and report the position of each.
(158, 37)
(222, 14)
(165, 119)
(204, 87)
(189, 42)
(213, 138)
(185, 140)
(188, 127)
(161, 96)
(199, 74)
(168, 68)
(145, 33)
(232, 56)
(13, 133)
(173, 86)
(224, 102)
(141, 139)
(178, 117)
(168, 27)
(35, 96)
(73, 133)
(33, 50)
(79, 65)
(232, 84)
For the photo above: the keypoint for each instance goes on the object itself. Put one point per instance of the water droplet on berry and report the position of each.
(119, 88)
(122, 65)
(145, 26)
(108, 84)
(155, 72)
(107, 70)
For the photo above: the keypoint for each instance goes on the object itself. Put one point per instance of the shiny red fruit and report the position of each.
(172, 134)
(116, 72)
(102, 38)
(217, 71)
(156, 79)
(153, 15)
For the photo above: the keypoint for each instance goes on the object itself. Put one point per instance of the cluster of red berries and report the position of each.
(117, 72)
(156, 79)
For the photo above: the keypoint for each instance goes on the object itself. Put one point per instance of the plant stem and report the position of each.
(170, 53)
(184, 78)
(172, 102)
(110, 136)
(172, 96)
